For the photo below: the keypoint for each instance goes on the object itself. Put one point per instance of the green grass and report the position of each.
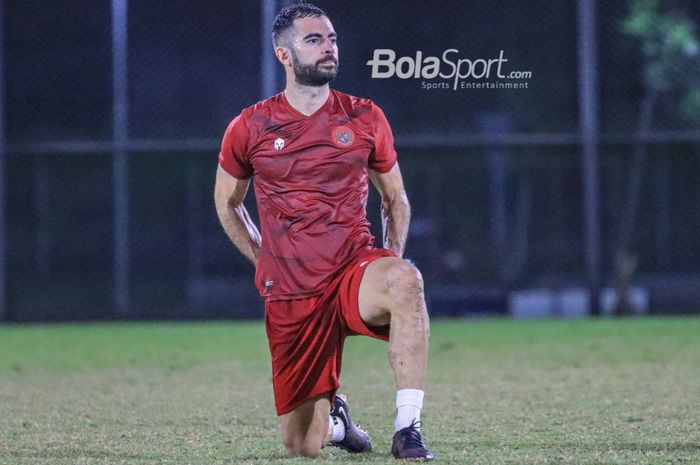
(499, 392)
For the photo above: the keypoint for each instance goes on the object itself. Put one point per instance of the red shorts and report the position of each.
(306, 336)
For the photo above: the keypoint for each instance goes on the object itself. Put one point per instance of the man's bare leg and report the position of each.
(305, 429)
(391, 291)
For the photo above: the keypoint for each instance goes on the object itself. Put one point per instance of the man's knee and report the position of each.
(303, 447)
(304, 429)
(404, 282)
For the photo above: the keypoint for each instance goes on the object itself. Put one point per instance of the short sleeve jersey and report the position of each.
(311, 184)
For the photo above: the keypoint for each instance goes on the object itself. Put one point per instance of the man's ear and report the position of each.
(283, 55)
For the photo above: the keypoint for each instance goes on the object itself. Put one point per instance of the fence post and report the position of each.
(497, 163)
(195, 219)
(662, 223)
(3, 186)
(42, 208)
(589, 128)
(268, 63)
(120, 168)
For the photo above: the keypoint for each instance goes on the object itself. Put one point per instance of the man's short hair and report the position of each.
(285, 18)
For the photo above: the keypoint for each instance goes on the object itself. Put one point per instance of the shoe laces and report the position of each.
(413, 437)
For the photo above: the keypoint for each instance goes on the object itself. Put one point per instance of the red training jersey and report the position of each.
(311, 185)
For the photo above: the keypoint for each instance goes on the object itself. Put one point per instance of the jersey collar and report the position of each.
(297, 113)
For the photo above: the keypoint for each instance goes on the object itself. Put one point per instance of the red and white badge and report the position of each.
(343, 136)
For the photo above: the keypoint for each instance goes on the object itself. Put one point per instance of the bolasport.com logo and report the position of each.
(449, 71)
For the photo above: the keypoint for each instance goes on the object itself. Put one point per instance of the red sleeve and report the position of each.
(383, 157)
(233, 157)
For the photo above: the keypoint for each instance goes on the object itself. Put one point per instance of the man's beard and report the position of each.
(310, 74)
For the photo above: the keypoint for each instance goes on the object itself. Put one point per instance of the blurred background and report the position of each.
(577, 195)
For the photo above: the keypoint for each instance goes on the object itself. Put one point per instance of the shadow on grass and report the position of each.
(623, 446)
(82, 454)
(128, 457)
(642, 446)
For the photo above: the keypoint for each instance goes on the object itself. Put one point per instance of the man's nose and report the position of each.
(328, 47)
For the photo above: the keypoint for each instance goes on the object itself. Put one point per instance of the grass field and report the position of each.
(499, 392)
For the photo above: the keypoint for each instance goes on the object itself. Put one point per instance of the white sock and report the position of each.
(409, 403)
(336, 428)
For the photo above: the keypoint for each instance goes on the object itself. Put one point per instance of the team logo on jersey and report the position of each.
(343, 136)
(279, 143)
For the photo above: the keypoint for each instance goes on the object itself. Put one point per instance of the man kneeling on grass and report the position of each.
(311, 151)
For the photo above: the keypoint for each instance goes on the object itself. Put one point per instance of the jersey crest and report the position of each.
(343, 136)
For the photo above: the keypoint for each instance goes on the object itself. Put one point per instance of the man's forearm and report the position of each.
(396, 216)
(239, 227)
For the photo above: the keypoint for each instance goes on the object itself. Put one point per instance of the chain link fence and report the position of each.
(494, 175)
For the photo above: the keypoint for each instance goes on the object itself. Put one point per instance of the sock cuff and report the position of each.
(336, 428)
(413, 397)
